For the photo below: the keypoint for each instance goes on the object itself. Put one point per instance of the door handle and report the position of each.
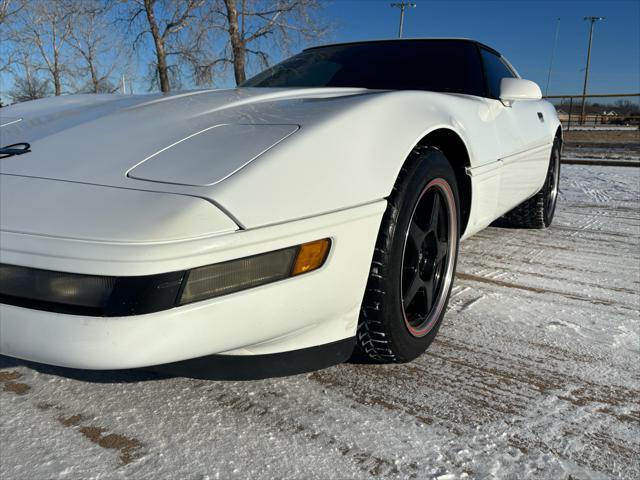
(540, 116)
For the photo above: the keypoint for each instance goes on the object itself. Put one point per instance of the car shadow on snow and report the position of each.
(132, 375)
(91, 376)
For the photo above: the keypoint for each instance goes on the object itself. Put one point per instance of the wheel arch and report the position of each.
(455, 149)
(560, 136)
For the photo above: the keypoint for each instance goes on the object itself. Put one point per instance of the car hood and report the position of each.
(262, 156)
(195, 138)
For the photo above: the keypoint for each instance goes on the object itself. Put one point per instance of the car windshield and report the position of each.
(436, 65)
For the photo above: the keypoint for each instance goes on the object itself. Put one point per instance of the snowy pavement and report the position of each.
(535, 373)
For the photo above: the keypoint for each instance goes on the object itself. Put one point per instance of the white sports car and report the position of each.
(268, 229)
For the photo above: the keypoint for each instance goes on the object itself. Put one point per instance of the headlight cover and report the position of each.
(109, 296)
(92, 295)
(57, 287)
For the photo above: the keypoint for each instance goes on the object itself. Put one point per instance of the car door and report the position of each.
(521, 135)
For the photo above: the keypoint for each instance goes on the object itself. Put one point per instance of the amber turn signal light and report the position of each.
(240, 274)
(311, 256)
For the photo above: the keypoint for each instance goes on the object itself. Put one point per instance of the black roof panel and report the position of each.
(407, 40)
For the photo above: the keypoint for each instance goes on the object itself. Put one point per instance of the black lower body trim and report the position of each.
(256, 367)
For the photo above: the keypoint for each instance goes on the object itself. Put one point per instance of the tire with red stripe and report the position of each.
(414, 262)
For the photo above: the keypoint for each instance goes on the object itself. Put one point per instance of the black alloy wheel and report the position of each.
(426, 266)
(414, 262)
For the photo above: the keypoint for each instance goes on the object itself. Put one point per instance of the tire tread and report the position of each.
(373, 338)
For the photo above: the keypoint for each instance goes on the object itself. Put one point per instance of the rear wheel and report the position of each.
(538, 211)
(414, 262)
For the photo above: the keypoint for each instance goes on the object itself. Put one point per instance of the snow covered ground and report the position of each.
(535, 373)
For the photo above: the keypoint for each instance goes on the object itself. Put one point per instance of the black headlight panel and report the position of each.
(109, 296)
(87, 294)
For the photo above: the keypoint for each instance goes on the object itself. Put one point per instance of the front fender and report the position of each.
(352, 157)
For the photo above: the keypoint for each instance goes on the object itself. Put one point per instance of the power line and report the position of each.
(402, 6)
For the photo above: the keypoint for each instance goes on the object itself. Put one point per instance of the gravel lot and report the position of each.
(535, 372)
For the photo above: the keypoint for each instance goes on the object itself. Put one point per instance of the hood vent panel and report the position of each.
(211, 155)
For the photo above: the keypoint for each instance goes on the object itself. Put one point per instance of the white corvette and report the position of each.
(268, 229)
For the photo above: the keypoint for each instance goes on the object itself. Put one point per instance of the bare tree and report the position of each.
(257, 27)
(8, 11)
(46, 27)
(95, 43)
(9, 8)
(625, 107)
(28, 85)
(175, 27)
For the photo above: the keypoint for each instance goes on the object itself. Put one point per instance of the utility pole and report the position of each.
(593, 20)
(553, 54)
(402, 6)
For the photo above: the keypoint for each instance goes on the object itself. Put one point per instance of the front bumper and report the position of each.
(300, 312)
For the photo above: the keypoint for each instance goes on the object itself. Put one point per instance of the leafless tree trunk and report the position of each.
(171, 24)
(158, 41)
(261, 26)
(236, 41)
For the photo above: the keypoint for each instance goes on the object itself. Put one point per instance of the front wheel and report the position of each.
(414, 262)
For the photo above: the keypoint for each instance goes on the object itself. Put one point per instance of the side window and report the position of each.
(495, 70)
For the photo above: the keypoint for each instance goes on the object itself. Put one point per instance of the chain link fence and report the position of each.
(602, 111)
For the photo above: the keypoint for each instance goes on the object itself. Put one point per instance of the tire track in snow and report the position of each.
(469, 392)
(262, 408)
(129, 449)
(540, 290)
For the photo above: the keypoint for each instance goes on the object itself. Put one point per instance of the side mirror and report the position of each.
(513, 89)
